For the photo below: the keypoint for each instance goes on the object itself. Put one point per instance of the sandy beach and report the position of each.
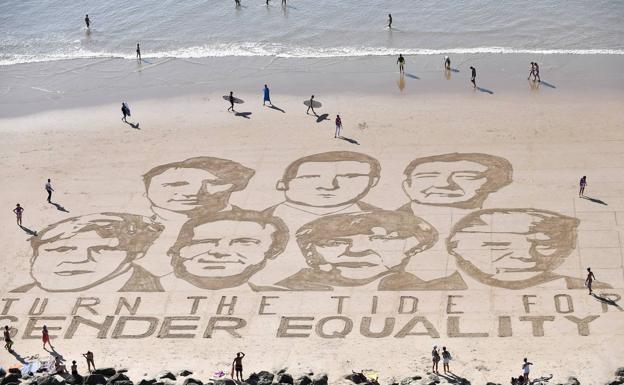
(61, 120)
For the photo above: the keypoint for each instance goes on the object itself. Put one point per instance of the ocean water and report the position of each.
(42, 30)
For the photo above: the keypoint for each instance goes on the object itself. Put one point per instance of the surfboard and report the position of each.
(236, 100)
(315, 104)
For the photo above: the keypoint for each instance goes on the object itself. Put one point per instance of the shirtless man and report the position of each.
(589, 280)
(18, 210)
(237, 366)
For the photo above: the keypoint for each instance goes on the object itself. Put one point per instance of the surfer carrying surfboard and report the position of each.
(311, 106)
(231, 100)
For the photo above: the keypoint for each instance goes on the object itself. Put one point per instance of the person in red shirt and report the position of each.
(338, 126)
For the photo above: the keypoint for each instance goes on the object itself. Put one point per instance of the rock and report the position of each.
(185, 373)
(265, 378)
(253, 379)
(168, 375)
(356, 378)
(117, 377)
(319, 379)
(573, 381)
(285, 378)
(192, 381)
(147, 382)
(106, 372)
(491, 383)
(11, 377)
(303, 380)
(410, 380)
(225, 381)
(15, 371)
(95, 379)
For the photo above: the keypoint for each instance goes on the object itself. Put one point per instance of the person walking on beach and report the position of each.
(18, 210)
(311, 106)
(589, 280)
(89, 357)
(473, 77)
(447, 63)
(231, 100)
(8, 342)
(237, 366)
(401, 63)
(267, 96)
(435, 357)
(338, 126)
(125, 110)
(390, 21)
(45, 337)
(446, 358)
(237, 2)
(526, 369)
(87, 21)
(536, 72)
(49, 189)
(532, 71)
(74, 369)
(582, 184)
(138, 52)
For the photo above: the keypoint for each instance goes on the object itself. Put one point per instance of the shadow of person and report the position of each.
(18, 357)
(56, 354)
(353, 141)
(412, 76)
(454, 70)
(595, 200)
(274, 107)
(485, 90)
(320, 118)
(59, 207)
(401, 82)
(28, 231)
(454, 379)
(547, 84)
(133, 125)
(607, 301)
(243, 114)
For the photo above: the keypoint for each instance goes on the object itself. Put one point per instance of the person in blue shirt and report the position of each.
(267, 97)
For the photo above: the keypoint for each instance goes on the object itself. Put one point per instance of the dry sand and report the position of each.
(551, 136)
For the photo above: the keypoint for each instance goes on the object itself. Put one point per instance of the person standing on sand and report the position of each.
(532, 71)
(525, 370)
(18, 210)
(536, 72)
(125, 110)
(267, 96)
(231, 99)
(45, 337)
(87, 21)
(446, 358)
(589, 280)
(89, 357)
(138, 52)
(237, 366)
(435, 358)
(49, 189)
(338, 126)
(447, 63)
(473, 77)
(311, 106)
(390, 21)
(582, 184)
(74, 369)
(401, 63)
(8, 342)
(237, 2)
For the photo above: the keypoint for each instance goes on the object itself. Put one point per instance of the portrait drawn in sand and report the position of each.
(360, 248)
(516, 248)
(458, 180)
(187, 189)
(80, 253)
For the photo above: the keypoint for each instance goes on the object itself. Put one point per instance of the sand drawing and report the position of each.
(360, 248)
(80, 253)
(224, 249)
(515, 248)
(461, 180)
(189, 188)
(195, 185)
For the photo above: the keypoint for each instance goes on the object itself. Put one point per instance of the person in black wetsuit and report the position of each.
(473, 77)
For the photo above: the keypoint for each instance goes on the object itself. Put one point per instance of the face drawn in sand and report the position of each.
(329, 179)
(203, 183)
(456, 180)
(358, 248)
(82, 252)
(513, 248)
(224, 249)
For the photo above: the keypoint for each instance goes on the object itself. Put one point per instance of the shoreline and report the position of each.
(32, 88)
